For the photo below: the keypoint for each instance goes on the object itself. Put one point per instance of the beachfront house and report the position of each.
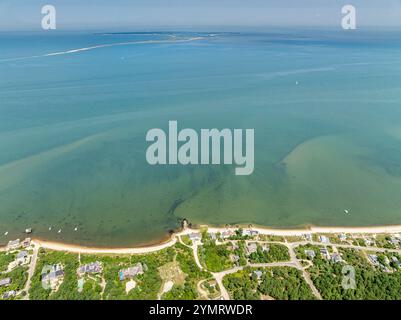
(307, 237)
(26, 243)
(131, 272)
(227, 234)
(53, 277)
(195, 236)
(249, 233)
(90, 268)
(342, 237)
(13, 244)
(5, 282)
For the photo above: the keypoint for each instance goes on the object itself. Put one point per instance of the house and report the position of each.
(233, 246)
(342, 237)
(227, 234)
(13, 244)
(336, 258)
(310, 253)
(22, 258)
(396, 261)
(325, 253)
(324, 239)
(368, 242)
(93, 267)
(307, 237)
(251, 247)
(54, 276)
(5, 282)
(26, 243)
(9, 294)
(265, 247)
(249, 233)
(258, 274)
(234, 258)
(195, 236)
(373, 259)
(131, 272)
(212, 236)
(394, 241)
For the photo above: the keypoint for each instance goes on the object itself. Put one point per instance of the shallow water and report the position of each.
(325, 106)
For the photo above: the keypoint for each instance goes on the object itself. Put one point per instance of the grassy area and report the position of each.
(282, 283)
(274, 253)
(214, 257)
(5, 259)
(18, 278)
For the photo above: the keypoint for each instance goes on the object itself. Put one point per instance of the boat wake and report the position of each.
(103, 46)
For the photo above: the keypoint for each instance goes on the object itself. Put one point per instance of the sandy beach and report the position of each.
(173, 239)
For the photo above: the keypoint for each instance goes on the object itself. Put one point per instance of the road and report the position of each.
(294, 263)
(31, 270)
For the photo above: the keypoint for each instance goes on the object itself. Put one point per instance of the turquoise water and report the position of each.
(325, 106)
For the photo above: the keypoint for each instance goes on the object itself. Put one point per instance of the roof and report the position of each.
(310, 253)
(5, 281)
(22, 254)
(131, 271)
(13, 243)
(194, 235)
(9, 294)
(55, 272)
(93, 267)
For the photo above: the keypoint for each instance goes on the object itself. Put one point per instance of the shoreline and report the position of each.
(59, 246)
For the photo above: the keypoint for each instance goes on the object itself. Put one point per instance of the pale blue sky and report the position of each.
(123, 14)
